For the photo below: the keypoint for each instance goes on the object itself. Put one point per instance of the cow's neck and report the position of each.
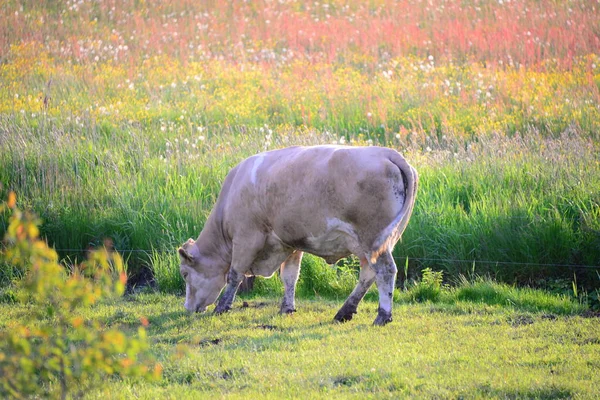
(214, 244)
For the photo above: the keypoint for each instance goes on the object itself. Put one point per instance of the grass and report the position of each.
(499, 199)
(123, 123)
(472, 346)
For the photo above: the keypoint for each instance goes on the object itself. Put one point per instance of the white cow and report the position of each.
(330, 201)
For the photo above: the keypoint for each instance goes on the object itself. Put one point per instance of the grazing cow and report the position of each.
(330, 201)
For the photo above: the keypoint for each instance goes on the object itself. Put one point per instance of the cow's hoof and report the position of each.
(383, 318)
(344, 315)
(287, 311)
(221, 310)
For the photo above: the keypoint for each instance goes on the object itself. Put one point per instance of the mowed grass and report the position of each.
(468, 349)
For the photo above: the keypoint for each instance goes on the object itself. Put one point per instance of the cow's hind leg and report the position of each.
(290, 270)
(385, 270)
(365, 280)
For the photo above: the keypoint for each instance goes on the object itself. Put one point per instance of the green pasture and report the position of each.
(459, 347)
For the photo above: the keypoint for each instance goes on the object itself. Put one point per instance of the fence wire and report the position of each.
(398, 259)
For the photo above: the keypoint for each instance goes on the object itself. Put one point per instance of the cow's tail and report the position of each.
(392, 233)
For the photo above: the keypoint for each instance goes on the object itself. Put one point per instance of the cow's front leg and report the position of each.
(243, 255)
(385, 270)
(290, 270)
(234, 279)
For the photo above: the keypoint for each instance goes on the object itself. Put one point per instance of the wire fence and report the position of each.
(398, 259)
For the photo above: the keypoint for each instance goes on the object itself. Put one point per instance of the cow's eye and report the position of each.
(185, 275)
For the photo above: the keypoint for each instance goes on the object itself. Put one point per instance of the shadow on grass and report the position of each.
(489, 293)
(551, 392)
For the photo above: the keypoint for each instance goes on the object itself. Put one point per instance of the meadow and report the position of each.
(120, 120)
(427, 352)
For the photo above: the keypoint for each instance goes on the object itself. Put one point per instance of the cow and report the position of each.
(330, 201)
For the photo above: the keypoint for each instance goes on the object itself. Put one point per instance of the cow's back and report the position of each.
(347, 195)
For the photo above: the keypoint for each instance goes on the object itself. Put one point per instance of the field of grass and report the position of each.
(121, 120)
(428, 351)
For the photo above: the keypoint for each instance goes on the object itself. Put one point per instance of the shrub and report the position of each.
(55, 351)
(429, 288)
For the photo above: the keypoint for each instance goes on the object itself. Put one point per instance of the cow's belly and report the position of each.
(339, 240)
(269, 259)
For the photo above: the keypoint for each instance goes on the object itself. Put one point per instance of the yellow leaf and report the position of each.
(123, 278)
(33, 231)
(77, 321)
(127, 362)
(158, 368)
(12, 200)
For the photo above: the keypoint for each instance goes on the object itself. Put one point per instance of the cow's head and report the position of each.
(203, 284)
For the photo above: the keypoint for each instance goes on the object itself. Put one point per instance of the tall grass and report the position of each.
(525, 200)
(123, 122)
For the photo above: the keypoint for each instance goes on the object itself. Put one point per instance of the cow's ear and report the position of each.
(185, 256)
